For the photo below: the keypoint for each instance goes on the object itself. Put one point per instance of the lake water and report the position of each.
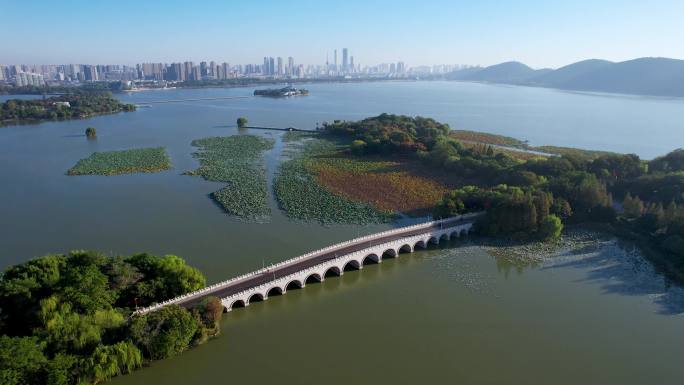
(454, 314)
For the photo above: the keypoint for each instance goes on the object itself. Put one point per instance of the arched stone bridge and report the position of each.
(332, 260)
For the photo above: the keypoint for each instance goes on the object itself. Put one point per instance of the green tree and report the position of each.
(210, 310)
(63, 369)
(241, 122)
(21, 360)
(108, 361)
(561, 208)
(358, 147)
(165, 332)
(633, 206)
(91, 132)
(550, 227)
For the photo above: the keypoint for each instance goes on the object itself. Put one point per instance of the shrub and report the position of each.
(91, 132)
(241, 122)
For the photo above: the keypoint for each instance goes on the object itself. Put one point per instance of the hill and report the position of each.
(509, 72)
(643, 76)
(564, 75)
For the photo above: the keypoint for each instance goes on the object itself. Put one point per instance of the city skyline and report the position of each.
(536, 33)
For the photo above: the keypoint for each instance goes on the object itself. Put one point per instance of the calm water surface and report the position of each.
(446, 315)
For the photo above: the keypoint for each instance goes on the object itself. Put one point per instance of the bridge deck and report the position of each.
(310, 262)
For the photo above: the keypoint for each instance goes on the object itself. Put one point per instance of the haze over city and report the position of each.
(538, 33)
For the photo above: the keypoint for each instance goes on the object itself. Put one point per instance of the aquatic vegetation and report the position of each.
(235, 160)
(291, 136)
(383, 184)
(388, 186)
(302, 198)
(123, 162)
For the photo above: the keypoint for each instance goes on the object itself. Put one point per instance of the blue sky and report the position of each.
(540, 33)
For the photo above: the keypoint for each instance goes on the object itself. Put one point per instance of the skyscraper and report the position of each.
(226, 70)
(90, 73)
(280, 66)
(290, 66)
(188, 70)
(271, 66)
(345, 59)
(351, 64)
(335, 64)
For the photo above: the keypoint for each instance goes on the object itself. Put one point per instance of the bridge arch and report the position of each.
(332, 271)
(237, 304)
(352, 265)
(371, 259)
(405, 249)
(456, 234)
(294, 284)
(256, 297)
(420, 244)
(444, 237)
(389, 253)
(313, 278)
(275, 290)
(433, 240)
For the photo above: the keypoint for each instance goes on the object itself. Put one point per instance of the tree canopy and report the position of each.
(64, 317)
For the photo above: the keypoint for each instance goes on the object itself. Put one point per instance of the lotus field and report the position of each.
(236, 161)
(303, 199)
(123, 162)
(384, 184)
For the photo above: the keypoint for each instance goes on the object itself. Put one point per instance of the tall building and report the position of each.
(203, 69)
(176, 72)
(196, 73)
(401, 68)
(265, 70)
(271, 66)
(280, 66)
(212, 70)
(188, 70)
(351, 64)
(226, 70)
(335, 64)
(90, 73)
(290, 66)
(345, 59)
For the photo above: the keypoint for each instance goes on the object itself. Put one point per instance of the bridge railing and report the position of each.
(300, 258)
(316, 268)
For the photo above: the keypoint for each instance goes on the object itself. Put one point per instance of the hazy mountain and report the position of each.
(565, 75)
(644, 76)
(509, 72)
